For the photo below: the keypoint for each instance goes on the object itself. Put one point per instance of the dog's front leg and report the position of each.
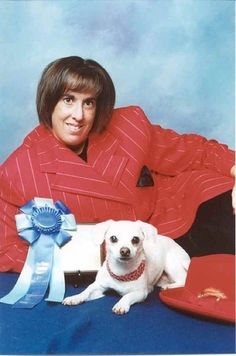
(124, 304)
(93, 291)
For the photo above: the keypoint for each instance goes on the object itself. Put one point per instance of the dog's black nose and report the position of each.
(125, 252)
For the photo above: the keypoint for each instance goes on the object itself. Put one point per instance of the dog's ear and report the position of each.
(100, 230)
(149, 231)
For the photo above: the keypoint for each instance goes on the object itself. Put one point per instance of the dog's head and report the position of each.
(124, 239)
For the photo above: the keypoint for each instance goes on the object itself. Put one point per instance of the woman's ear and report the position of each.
(100, 230)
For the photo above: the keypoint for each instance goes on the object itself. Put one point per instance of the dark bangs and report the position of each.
(83, 83)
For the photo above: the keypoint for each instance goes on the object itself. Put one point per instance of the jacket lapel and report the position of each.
(98, 177)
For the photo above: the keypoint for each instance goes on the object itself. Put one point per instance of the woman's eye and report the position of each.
(113, 239)
(67, 100)
(90, 103)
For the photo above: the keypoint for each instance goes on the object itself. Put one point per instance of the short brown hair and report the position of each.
(82, 75)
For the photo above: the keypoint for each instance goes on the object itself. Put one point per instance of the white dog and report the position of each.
(137, 259)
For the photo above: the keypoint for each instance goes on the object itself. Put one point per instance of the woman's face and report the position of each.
(73, 118)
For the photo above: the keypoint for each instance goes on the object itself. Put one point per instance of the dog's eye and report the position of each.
(135, 240)
(113, 239)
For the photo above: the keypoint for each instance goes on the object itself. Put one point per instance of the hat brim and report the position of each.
(178, 298)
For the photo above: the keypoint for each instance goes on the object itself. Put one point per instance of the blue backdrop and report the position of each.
(174, 58)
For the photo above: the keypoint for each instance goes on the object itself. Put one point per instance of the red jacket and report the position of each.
(187, 170)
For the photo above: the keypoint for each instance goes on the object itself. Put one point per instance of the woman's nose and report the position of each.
(77, 113)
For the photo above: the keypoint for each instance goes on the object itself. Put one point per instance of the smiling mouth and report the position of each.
(73, 127)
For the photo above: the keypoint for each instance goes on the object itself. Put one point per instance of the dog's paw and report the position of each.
(74, 300)
(120, 309)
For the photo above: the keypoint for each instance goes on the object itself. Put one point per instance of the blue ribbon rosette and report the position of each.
(45, 226)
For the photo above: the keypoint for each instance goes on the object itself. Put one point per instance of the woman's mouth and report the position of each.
(74, 128)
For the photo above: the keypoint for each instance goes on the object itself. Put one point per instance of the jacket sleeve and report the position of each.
(13, 249)
(172, 153)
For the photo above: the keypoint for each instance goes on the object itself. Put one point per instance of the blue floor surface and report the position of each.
(91, 328)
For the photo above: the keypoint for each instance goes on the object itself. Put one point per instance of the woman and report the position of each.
(106, 163)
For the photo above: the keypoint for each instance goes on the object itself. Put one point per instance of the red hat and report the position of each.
(209, 289)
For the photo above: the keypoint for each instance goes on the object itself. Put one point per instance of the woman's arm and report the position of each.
(13, 249)
(172, 153)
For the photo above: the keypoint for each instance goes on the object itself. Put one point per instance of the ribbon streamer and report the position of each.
(44, 225)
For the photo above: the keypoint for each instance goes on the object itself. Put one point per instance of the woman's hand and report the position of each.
(233, 173)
